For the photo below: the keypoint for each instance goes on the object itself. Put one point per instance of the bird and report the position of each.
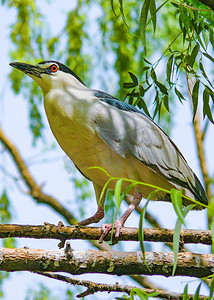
(99, 132)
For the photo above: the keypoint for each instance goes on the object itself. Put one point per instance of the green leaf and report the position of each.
(146, 68)
(143, 20)
(112, 7)
(179, 95)
(140, 231)
(142, 90)
(153, 75)
(153, 13)
(104, 191)
(117, 191)
(169, 68)
(140, 293)
(190, 12)
(176, 197)
(196, 296)
(126, 192)
(128, 85)
(206, 108)
(176, 242)
(148, 62)
(203, 72)
(134, 78)
(166, 101)
(185, 293)
(209, 57)
(142, 104)
(157, 108)
(162, 87)
(5, 215)
(210, 91)
(195, 97)
(122, 12)
(193, 55)
(176, 237)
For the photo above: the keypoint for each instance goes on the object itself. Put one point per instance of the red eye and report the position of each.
(54, 68)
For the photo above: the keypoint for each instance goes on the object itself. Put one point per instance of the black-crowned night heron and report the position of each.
(97, 130)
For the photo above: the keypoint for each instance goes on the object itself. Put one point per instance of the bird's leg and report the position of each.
(120, 222)
(94, 219)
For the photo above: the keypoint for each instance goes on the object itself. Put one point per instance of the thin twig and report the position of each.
(93, 287)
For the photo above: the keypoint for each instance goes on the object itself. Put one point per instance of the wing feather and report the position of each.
(130, 132)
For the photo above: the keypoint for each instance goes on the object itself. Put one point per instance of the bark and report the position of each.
(93, 287)
(115, 263)
(50, 231)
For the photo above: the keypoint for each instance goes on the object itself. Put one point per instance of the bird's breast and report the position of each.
(73, 127)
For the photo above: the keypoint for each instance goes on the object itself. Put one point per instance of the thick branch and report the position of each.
(93, 233)
(93, 287)
(115, 263)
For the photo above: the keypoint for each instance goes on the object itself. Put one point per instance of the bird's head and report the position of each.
(50, 74)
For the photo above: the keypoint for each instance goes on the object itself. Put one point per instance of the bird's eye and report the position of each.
(54, 68)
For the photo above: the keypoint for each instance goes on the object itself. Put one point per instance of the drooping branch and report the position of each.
(50, 231)
(93, 287)
(115, 262)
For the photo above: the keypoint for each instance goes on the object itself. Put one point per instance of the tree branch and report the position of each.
(93, 287)
(115, 262)
(50, 231)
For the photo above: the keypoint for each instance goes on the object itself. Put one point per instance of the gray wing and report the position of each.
(129, 132)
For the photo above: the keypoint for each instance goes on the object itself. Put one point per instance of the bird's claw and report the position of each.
(107, 227)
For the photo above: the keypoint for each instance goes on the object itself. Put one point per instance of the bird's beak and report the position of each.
(28, 69)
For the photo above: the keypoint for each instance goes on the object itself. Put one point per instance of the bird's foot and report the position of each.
(94, 219)
(107, 227)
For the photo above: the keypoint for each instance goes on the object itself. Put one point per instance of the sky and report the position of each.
(56, 180)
